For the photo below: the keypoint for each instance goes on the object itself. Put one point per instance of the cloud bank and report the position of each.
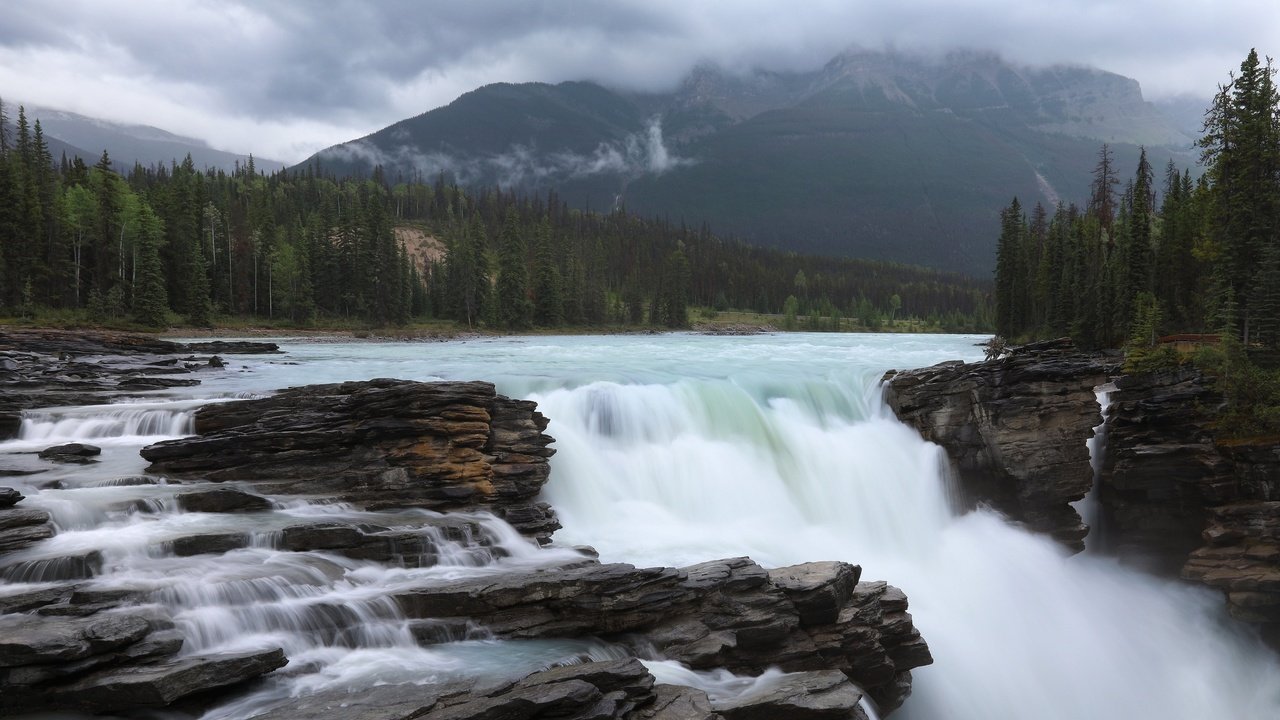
(288, 77)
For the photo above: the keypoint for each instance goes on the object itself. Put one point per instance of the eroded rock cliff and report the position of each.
(1014, 428)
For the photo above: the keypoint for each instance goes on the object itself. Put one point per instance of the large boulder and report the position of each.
(1014, 428)
(378, 444)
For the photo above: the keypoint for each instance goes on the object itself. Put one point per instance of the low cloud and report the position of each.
(638, 154)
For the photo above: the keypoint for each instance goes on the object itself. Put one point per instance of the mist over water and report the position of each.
(676, 449)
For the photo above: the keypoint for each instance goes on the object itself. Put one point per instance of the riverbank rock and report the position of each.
(109, 660)
(378, 444)
(21, 527)
(722, 614)
(57, 368)
(1014, 429)
(71, 453)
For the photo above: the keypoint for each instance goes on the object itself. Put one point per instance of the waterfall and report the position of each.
(685, 472)
(120, 423)
(671, 450)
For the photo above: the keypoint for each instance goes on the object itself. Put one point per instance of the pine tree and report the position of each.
(548, 308)
(1241, 149)
(1011, 276)
(515, 311)
(150, 299)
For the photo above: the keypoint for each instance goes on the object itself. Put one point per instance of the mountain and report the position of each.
(57, 147)
(130, 144)
(875, 155)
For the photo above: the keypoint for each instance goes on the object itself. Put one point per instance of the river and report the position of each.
(674, 449)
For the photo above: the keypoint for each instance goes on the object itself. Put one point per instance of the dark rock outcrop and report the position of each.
(21, 527)
(222, 500)
(1014, 428)
(726, 613)
(1162, 470)
(1178, 496)
(378, 444)
(621, 689)
(56, 368)
(71, 453)
(109, 660)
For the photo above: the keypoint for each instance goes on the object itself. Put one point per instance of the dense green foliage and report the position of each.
(299, 247)
(1127, 269)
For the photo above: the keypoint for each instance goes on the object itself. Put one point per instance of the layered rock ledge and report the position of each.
(1014, 429)
(378, 444)
(56, 368)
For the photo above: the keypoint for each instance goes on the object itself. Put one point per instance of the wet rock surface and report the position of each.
(722, 614)
(58, 368)
(378, 444)
(1014, 428)
(20, 527)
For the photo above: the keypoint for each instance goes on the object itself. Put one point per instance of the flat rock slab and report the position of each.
(36, 640)
(162, 684)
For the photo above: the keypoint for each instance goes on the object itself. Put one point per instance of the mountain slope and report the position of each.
(130, 144)
(875, 155)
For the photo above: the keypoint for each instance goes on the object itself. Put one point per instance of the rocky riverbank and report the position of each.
(1173, 497)
(57, 368)
(74, 637)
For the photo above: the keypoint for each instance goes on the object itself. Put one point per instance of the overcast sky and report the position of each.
(284, 78)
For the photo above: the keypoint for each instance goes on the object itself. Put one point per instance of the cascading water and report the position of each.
(690, 471)
(333, 616)
(671, 450)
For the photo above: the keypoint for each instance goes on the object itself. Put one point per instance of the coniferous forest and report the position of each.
(164, 245)
(1163, 253)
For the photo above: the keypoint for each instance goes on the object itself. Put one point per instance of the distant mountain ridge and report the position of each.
(876, 155)
(128, 144)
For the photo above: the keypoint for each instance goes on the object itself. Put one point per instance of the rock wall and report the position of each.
(1015, 429)
(1173, 497)
(1187, 502)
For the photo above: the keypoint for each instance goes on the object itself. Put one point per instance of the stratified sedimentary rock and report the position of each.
(110, 660)
(57, 368)
(1015, 429)
(378, 444)
(725, 613)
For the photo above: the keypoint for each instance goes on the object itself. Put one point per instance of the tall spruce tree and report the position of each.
(1241, 151)
(515, 311)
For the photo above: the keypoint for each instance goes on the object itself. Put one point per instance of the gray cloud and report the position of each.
(285, 78)
(638, 154)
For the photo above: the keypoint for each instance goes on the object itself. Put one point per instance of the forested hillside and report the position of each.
(170, 243)
(1162, 254)
(876, 155)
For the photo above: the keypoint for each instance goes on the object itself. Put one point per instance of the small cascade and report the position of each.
(151, 420)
